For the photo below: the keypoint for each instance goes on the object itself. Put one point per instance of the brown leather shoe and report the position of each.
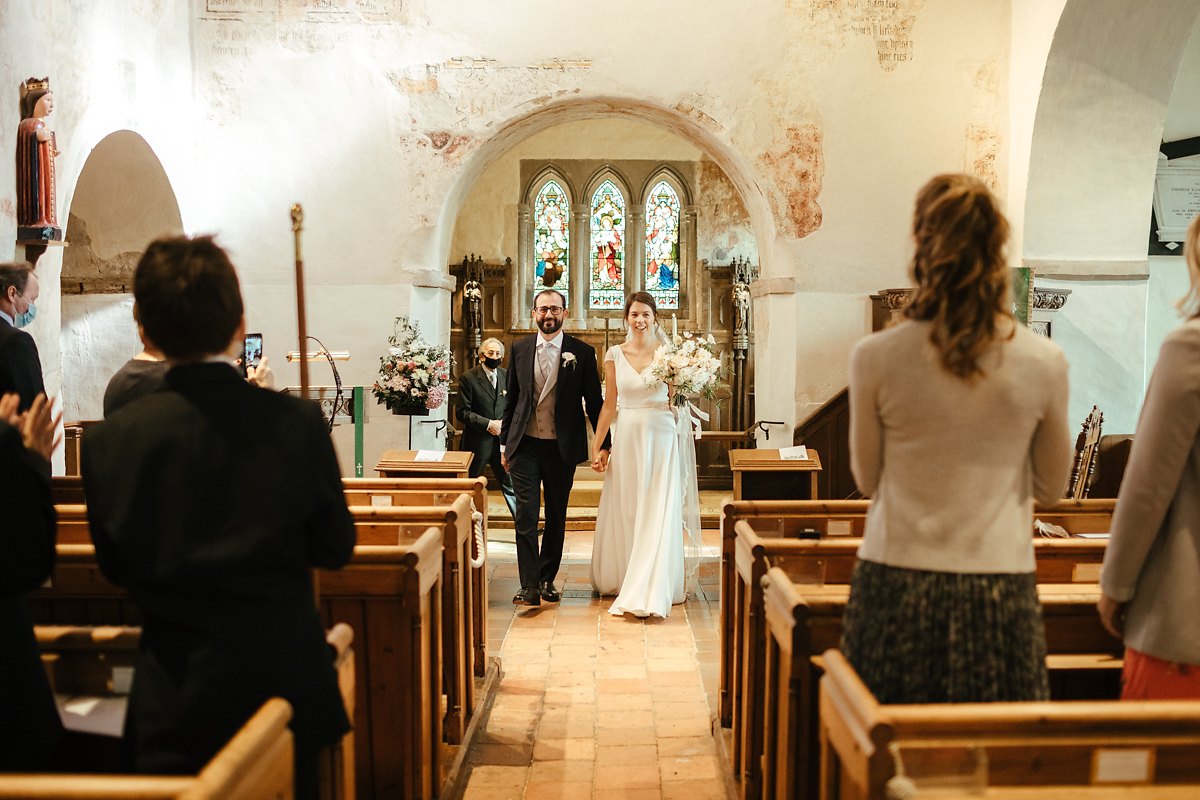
(548, 592)
(527, 597)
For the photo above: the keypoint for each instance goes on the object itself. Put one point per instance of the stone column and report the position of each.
(520, 278)
(635, 249)
(580, 265)
(689, 295)
(429, 304)
(774, 323)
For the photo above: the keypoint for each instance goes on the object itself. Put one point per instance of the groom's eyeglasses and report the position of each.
(542, 311)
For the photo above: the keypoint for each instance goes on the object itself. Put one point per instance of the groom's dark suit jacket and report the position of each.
(578, 385)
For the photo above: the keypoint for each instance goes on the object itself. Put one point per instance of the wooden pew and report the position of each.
(256, 764)
(98, 662)
(385, 614)
(391, 595)
(803, 621)
(462, 640)
(386, 525)
(68, 491)
(407, 491)
(1050, 745)
(835, 519)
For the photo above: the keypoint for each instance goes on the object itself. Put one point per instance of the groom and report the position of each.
(543, 437)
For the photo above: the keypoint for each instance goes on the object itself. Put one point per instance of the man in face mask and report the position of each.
(20, 367)
(480, 406)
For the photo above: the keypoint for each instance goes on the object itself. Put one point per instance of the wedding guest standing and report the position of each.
(212, 500)
(1151, 575)
(20, 367)
(30, 731)
(482, 394)
(958, 422)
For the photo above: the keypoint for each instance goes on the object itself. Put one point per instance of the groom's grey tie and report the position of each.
(544, 365)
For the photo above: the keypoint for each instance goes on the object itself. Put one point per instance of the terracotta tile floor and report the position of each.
(591, 705)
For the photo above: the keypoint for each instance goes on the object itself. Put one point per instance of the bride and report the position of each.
(638, 553)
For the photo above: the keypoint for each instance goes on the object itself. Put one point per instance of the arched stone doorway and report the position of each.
(1111, 74)
(581, 145)
(122, 201)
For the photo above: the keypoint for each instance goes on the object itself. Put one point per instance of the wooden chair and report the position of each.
(1087, 448)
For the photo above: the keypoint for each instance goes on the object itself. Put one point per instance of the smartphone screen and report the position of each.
(251, 351)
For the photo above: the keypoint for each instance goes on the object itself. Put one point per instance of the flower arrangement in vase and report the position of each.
(414, 376)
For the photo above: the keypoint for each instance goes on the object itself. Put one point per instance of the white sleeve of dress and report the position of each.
(611, 355)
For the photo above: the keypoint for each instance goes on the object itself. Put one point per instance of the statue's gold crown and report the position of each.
(36, 85)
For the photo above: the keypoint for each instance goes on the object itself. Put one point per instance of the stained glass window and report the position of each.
(551, 236)
(662, 245)
(606, 288)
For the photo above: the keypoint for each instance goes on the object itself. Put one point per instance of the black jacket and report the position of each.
(477, 405)
(20, 367)
(578, 385)
(211, 500)
(30, 728)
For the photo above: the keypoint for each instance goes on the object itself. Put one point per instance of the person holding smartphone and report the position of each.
(144, 373)
(224, 583)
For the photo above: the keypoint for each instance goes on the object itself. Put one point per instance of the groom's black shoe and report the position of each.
(548, 592)
(528, 597)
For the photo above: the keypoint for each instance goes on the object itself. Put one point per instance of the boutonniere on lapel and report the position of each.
(568, 361)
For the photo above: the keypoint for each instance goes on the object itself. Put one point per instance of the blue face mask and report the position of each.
(21, 320)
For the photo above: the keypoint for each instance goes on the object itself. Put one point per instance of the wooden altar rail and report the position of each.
(256, 764)
(1054, 747)
(383, 594)
(833, 519)
(803, 621)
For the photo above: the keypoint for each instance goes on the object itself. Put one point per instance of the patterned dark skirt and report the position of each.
(942, 637)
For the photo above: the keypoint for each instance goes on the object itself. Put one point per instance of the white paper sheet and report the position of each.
(430, 455)
(797, 453)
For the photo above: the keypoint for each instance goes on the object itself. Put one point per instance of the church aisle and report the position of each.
(592, 705)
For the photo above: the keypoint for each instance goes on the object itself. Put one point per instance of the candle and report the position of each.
(674, 326)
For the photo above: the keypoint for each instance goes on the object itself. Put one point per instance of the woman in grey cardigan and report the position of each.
(958, 421)
(1151, 575)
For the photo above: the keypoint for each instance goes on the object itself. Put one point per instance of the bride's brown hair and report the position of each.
(960, 270)
(640, 297)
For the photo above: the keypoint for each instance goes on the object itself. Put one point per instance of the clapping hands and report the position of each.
(38, 424)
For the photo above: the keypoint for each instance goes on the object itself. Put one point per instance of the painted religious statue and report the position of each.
(36, 150)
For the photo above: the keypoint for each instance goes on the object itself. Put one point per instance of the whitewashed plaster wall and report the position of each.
(1121, 306)
(826, 116)
(112, 65)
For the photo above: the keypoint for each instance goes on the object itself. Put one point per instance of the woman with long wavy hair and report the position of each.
(1151, 575)
(958, 422)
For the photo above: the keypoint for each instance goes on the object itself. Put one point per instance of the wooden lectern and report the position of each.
(404, 464)
(763, 475)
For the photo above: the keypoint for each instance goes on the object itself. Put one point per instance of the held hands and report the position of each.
(38, 425)
(600, 461)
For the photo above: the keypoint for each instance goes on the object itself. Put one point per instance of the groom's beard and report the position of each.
(550, 325)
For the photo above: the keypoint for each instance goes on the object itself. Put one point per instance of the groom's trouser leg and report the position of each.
(557, 478)
(525, 469)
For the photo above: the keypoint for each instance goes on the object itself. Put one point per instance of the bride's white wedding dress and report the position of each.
(638, 553)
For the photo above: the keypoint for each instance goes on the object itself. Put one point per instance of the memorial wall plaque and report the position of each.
(1176, 199)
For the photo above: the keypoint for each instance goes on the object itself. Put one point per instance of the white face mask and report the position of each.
(20, 320)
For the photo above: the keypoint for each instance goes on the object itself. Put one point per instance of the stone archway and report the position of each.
(1105, 90)
(122, 200)
(729, 160)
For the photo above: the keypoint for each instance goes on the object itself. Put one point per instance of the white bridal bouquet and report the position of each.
(688, 365)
